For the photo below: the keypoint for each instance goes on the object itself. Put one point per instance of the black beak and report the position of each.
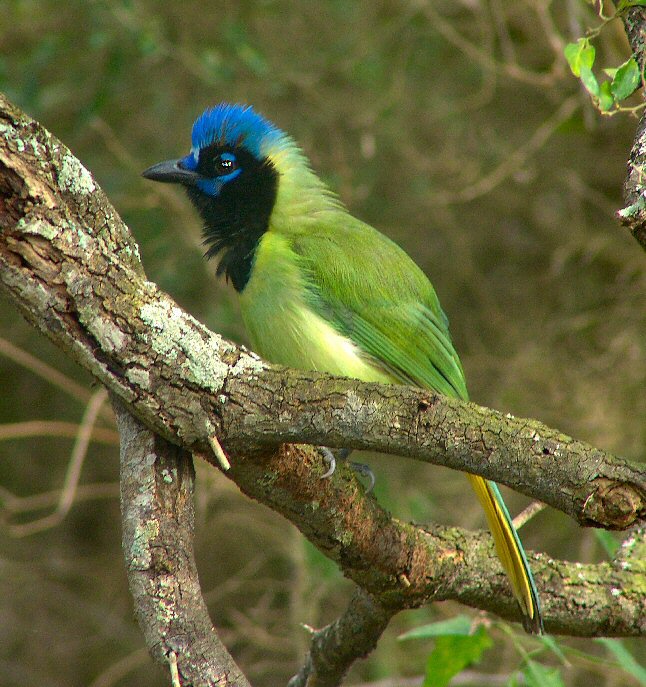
(170, 172)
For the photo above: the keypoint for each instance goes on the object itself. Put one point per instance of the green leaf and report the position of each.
(625, 659)
(453, 653)
(460, 625)
(626, 80)
(538, 675)
(580, 54)
(580, 57)
(625, 4)
(607, 540)
(550, 643)
(589, 80)
(606, 99)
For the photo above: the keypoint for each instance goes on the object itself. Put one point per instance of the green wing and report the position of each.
(373, 293)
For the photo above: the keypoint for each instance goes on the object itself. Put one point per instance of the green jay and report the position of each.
(320, 289)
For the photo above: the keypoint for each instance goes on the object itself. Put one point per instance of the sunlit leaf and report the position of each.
(589, 80)
(608, 541)
(626, 80)
(453, 653)
(606, 99)
(460, 625)
(538, 675)
(625, 4)
(580, 55)
(625, 659)
(552, 644)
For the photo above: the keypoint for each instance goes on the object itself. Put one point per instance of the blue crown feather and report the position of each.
(235, 125)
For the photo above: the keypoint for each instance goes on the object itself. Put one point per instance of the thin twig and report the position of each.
(120, 669)
(73, 473)
(54, 428)
(45, 371)
(486, 60)
(174, 672)
(534, 508)
(216, 447)
(336, 647)
(515, 160)
(12, 504)
(49, 374)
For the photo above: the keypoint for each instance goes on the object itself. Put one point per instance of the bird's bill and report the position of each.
(171, 172)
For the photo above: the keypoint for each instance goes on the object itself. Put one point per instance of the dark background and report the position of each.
(455, 128)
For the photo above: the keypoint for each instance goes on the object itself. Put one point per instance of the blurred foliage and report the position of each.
(454, 127)
(608, 91)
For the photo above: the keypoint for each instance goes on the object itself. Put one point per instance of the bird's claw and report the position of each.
(329, 457)
(364, 471)
(360, 468)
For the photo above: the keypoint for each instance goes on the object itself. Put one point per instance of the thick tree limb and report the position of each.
(633, 216)
(157, 512)
(83, 285)
(586, 483)
(71, 266)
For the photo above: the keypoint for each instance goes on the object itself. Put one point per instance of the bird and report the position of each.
(320, 289)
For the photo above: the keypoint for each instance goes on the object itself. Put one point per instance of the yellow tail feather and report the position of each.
(509, 551)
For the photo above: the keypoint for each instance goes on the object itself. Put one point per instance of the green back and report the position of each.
(372, 292)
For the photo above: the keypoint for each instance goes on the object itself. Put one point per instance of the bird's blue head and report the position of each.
(226, 141)
(226, 129)
(231, 179)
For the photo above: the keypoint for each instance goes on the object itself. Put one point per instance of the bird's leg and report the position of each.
(331, 457)
(364, 470)
(340, 454)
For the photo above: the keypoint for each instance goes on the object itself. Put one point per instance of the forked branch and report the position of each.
(72, 268)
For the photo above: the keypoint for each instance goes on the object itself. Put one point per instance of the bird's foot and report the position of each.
(331, 458)
(364, 470)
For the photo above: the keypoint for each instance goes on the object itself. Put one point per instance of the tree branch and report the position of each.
(633, 215)
(83, 285)
(588, 484)
(157, 513)
(72, 268)
(337, 646)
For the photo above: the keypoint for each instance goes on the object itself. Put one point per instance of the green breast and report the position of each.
(283, 329)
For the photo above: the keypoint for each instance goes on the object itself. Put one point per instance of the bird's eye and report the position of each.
(225, 163)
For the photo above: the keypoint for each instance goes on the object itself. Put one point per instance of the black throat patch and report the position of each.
(236, 219)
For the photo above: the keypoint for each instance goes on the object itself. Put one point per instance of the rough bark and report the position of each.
(72, 268)
(633, 215)
(337, 646)
(157, 481)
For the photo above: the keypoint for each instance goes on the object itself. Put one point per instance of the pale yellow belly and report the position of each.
(283, 330)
